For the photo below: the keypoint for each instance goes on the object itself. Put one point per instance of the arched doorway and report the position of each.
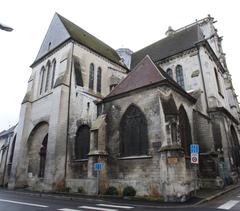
(185, 131)
(37, 150)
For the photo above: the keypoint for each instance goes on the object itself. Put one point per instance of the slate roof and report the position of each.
(60, 31)
(145, 73)
(171, 45)
(7, 132)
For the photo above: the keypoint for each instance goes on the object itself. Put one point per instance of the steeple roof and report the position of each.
(61, 29)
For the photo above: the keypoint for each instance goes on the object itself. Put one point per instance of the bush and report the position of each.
(129, 191)
(111, 191)
(80, 190)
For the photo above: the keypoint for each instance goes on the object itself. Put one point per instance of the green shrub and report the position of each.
(80, 190)
(129, 191)
(111, 191)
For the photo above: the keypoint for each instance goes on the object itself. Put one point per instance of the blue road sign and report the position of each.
(194, 148)
(98, 166)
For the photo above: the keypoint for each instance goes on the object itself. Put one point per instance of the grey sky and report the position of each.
(119, 23)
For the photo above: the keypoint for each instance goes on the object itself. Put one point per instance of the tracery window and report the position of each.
(53, 72)
(179, 76)
(170, 72)
(99, 79)
(82, 142)
(91, 76)
(133, 132)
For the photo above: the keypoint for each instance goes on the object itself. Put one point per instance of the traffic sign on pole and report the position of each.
(98, 166)
(194, 148)
(194, 158)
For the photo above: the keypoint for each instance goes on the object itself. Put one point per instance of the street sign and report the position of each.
(194, 148)
(98, 166)
(194, 158)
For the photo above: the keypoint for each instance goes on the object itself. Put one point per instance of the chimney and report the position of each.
(170, 31)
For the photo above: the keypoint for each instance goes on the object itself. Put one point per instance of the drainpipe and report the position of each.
(204, 87)
(68, 114)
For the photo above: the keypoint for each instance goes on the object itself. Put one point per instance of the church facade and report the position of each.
(137, 113)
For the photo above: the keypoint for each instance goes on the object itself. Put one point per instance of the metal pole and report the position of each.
(97, 182)
(195, 180)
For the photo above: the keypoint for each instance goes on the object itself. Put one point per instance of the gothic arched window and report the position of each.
(99, 79)
(53, 72)
(170, 72)
(179, 76)
(185, 131)
(82, 142)
(133, 132)
(42, 74)
(47, 76)
(217, 80)
(91, 76)
(235, 148)
(43, 154)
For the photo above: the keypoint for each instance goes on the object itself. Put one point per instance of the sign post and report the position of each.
(194, 148)
(98, 168)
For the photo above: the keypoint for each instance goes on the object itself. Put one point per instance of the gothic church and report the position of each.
(137, 113)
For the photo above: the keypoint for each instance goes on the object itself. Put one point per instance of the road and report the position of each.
(17, 201)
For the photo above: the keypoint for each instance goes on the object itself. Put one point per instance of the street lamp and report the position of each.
(5, 28)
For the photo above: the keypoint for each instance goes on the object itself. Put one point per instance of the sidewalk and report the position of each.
(202, 196)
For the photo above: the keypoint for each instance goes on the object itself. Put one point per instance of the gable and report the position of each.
(144, 74)
(55, 35)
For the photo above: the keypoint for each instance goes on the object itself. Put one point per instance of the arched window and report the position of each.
(179, 76)
(91, 76)
(53, 72)
(42, 74)
(174, 132)
(78, 73)
(185, 131)
(170, 72)
(47, 76)
(235, 148)
(82, 142)
(11, 155)
(99, 79)
(133, 132)
(42, 154)
(217, 80)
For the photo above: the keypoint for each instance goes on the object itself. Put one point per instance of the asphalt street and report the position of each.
(21, 201)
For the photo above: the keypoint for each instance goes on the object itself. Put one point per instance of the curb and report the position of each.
(216, 195)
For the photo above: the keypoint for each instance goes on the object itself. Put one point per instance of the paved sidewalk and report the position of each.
(208, 194)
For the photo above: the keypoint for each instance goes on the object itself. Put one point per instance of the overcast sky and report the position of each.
(119, 23)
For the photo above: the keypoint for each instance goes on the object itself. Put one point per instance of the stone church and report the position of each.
(137, 113)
